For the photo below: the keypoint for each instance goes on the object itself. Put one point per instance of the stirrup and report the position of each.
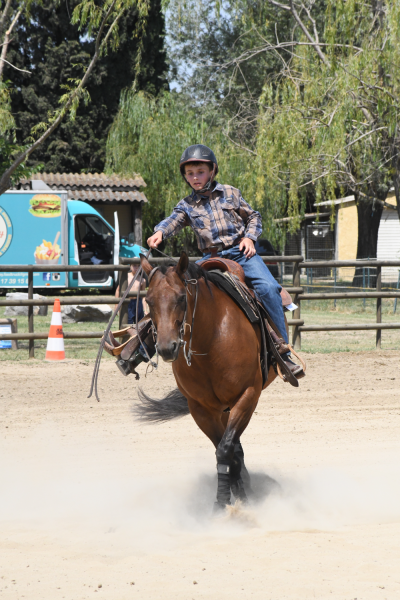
(299, 375)
(115, 349)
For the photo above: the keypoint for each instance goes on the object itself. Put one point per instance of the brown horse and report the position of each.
(221, 381)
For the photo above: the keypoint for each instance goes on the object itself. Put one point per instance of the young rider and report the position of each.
(220, 217)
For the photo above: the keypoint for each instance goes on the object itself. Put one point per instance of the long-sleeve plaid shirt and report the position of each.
(222, 218)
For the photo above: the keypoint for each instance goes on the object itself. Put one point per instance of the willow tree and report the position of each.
(148, 137)
(329, 124)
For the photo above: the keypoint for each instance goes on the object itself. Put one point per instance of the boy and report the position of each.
(221, 218)
(134, 289)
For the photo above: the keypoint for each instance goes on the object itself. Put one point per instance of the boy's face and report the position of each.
(197, 175)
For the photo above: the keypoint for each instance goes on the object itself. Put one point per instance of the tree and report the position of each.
(54, 50)
(204, 42)
(98, 23)
(328, 124)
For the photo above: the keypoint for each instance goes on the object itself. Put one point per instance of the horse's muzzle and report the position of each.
(168, 352)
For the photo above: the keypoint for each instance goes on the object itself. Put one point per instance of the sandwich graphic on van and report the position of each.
(45, 205)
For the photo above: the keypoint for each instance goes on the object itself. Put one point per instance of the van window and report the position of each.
(95, 241)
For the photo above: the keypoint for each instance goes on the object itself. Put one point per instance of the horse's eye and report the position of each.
(181, 299)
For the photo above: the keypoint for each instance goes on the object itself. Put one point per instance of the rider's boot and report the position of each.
(128, 366)
(285, 350)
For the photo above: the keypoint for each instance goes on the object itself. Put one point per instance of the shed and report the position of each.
(346, 232)
(106, 193)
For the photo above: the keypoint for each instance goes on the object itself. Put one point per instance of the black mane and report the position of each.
(194, 271)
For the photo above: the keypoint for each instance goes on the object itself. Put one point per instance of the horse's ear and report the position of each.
(144, 263)
(182, 264)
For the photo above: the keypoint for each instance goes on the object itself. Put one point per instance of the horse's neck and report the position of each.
(206, 312)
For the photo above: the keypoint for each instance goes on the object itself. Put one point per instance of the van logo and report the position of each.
(6, 231)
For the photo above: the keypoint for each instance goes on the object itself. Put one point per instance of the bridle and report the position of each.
(182, 329)
(188, 354)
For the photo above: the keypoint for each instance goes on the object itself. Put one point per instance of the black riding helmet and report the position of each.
(199, 153)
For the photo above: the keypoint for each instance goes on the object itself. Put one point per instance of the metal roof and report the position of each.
(91, 187)
(106, 195)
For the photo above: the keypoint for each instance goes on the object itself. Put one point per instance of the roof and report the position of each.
(91, 187)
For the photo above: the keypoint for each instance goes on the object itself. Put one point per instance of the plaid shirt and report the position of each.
(222, 218)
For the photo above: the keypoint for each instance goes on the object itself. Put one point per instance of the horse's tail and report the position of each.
(173, 406)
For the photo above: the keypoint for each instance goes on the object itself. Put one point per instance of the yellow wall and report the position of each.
(347, 236)
(347, 233)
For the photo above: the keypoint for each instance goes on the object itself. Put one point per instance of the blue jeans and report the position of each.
(259, 278)
(132, 311)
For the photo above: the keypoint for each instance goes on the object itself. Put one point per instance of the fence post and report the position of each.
(334, 286)
(397, 287)
(123, 313)
(364, 300)
(378, 306)
(296, 335)
(30, 314)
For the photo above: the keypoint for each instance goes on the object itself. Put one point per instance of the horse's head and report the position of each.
(166, 298)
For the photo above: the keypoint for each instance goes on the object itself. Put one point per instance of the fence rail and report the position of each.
(297, 290)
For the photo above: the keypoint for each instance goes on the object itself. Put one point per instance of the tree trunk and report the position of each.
(369, 215)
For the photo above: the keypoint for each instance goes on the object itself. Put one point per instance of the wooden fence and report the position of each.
(296, 290)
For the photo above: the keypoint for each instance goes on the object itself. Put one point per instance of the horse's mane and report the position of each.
(194, 271)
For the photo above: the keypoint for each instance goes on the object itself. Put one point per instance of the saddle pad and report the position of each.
(223, 283)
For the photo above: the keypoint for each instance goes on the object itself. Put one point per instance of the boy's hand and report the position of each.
(247, 245)
(155, 239)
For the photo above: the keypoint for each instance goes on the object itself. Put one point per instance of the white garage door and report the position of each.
(389, 243)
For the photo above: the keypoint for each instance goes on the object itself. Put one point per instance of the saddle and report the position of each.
(215, 263)
(229, 276)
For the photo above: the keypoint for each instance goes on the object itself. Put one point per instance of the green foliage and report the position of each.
(9, 149)
(6, 119)
(56, 42)
(330, 127)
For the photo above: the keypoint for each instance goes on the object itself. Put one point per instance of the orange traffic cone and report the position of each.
(55, 341)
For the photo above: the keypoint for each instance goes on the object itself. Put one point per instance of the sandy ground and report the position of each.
(93, 502)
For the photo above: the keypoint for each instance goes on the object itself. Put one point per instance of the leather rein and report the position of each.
(189, 353)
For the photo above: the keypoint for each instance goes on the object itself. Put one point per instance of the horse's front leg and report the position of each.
(229, 453)
(240, 478)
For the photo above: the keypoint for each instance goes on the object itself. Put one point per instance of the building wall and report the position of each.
(389, 241)
(388, 238)
(124, 212)
(346, 237)
(347, 232)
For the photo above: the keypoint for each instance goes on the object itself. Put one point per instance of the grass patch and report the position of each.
(348, 311)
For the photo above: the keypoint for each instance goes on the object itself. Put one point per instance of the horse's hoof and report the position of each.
(219, 508)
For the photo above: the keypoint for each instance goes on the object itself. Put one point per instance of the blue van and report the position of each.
(44, 227)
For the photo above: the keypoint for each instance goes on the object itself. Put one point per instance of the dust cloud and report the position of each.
(88, 493)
